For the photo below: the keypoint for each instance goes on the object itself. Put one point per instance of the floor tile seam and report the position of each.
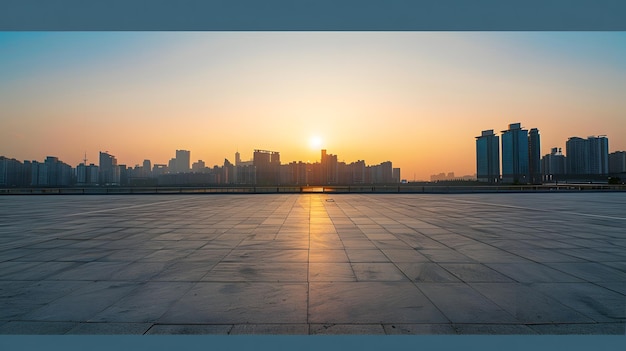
(558, 212)
(553, 301)
(484, 242)
(551, 265)
(86, 286)
(308, 269)
(596, 321)
(170, 305)
(345, 250)
(431, 301)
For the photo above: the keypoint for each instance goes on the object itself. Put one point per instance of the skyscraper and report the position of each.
(534, 156)
(147, 168)
(515, 167)
(183, 161)
(577, 162)
(267, 164)
(329, 168)
(617, 162)
(109, 171)
(488, 157)
(587, 156)
(598, 155)
(553, 165)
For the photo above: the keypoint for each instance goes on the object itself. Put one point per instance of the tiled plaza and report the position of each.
(527, 263)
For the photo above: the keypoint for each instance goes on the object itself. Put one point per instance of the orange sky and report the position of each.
(417, 99)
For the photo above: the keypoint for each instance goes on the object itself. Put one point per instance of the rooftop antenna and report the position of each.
(85, 158)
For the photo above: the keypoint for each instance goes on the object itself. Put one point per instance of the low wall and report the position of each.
(404, 189)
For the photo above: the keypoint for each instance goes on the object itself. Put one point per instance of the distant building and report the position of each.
(228, 173)
(577, 151)
(86, 174)
(198, 167)
(329, 168)
(357, 172)
(267, 164)
(51, 172)
(515, 168)
(617, 162)
(534, 156)
(171, 166)
(159, 169)
(380, 174)
(395, 173)
(109, 170)
(587, 156)
(553, 165)
(13, 173)
(183, 161)
(598, 155)
(147, 169)
(488, 157)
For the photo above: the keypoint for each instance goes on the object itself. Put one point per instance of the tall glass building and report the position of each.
(515, 166)
(598, 155)
(587, 156)
(488, 157)
(534, 156)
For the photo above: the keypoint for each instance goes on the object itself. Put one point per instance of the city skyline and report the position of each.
(416, 97)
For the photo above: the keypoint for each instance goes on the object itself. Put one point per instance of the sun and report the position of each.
(315, 142)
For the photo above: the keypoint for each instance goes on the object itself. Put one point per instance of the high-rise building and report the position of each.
(396, 175)
(515, 154)
(381, 174)
(617, 162)
(357, 169)
(553, 165)
(587, 156)
(598, 155)
(267, 164)
(13, 172)
(109, 170)
(329, 168)
(147, 168)
(86, 174)
(488, 157)
(159, 169)
(534, 156)
(183, 161)
(577, 162)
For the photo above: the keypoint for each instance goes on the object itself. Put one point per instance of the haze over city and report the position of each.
(417, 98)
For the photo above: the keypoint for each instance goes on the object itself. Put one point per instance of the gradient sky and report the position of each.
(417, 99)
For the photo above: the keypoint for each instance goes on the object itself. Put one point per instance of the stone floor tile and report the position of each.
(460, 303)
(494, 329)
(190, 329)
(378, 272)
(418, 329)
(36, 328)
(270, 329)
(427, 272)
(257, 272)
(346, 329)
(110, 328)
(370, 302)
(238, 303)
(528, 304)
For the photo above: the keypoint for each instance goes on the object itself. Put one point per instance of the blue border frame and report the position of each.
(313, 343)
(371, 15)
(319, 15)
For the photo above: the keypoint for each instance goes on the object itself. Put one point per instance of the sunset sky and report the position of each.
(417, 99)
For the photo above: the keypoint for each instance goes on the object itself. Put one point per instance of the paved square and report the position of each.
(525, 263)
